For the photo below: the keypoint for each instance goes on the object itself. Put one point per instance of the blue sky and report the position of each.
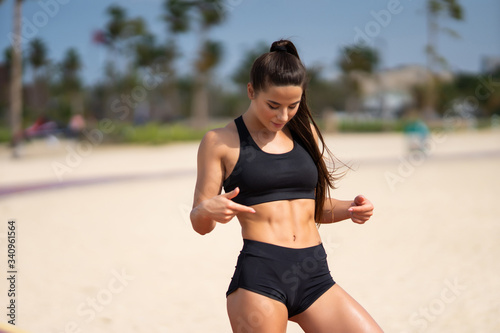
(319, 28)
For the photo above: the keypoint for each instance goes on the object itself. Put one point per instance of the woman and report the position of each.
(277, 183)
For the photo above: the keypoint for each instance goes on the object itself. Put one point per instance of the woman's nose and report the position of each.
(283, 115)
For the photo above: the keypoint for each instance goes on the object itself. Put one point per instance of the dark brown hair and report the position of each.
(281, 66)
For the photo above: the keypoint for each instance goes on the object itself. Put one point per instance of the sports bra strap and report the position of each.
(242, 131)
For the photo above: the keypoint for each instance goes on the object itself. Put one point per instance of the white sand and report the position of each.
(122, 257)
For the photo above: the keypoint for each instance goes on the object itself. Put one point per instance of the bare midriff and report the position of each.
(288, 223)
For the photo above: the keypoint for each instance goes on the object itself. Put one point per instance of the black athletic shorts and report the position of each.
(295, 277)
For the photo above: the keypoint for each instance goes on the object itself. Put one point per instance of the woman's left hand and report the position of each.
(361, 209)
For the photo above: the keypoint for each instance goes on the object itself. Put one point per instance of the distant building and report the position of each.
(386, 93)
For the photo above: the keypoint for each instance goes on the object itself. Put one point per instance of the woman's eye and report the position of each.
(273, 107)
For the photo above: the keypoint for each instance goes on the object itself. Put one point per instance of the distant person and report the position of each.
(42, 127)
(417, 134)
(76, 126)
(277, 183)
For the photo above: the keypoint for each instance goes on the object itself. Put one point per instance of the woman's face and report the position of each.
(276, 105)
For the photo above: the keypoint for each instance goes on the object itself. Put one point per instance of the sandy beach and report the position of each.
(104, 241)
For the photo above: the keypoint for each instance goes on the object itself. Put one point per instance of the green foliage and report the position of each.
(147, 52)
(370, 126)
(7, 56)
(436, 8)
(472, 89)
(210, 56)
(185, 86)
(70, 67)
(358, 57)
(229, 104)
(154, 133)
(211, 12)
(135, 53)
(241, 76)
(322, 94)
(451, 7)
(4, 134)
(177, 15)
(121, 33)
(37, 53)
(116, 25)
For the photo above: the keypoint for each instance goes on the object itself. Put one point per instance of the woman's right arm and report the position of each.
(209, 206)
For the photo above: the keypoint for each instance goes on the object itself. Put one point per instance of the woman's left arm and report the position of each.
(358, 210)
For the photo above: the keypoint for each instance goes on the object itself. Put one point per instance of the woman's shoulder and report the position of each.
(218, 140)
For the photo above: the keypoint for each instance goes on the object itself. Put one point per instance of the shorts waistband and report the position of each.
(276, 252)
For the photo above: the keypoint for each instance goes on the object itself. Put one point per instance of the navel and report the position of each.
(294, 238)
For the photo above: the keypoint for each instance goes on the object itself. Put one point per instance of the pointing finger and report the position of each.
(242, 208)
(233, 193)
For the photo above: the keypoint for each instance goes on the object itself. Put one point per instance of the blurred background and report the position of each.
(155, 66)
(103, 105)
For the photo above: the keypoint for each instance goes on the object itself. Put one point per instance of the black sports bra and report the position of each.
(264, 177)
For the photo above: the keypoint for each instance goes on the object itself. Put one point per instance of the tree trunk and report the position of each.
(76, 102)
(429, 107)
(199, 113)
(16, 82)
(199, 109)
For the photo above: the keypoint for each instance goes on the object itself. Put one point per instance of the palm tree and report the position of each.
(37, 59)
(118, 35)
(241, 75)
(37, 55)
(117, 22)
(434, 9)
(178, 16)
(16, 81)
(355, 59)
(157, 60)
(70, 66)
(210, 56)
(120, 29)
(121, 36)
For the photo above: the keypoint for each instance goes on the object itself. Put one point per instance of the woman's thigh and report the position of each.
(250, 312)
(336, 311)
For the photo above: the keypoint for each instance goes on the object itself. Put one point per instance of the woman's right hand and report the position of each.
(222, 209)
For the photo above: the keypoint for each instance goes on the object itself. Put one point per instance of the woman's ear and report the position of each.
(250, 91)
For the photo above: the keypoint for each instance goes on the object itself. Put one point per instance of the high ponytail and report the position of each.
(282, 66)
